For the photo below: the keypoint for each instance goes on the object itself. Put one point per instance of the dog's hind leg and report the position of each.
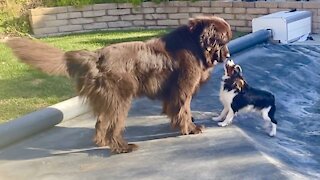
(116, 117)
(110, 96)
(273, 130)
(268, 115)
(100, 133)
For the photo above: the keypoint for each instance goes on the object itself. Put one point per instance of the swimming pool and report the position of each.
(292, 73)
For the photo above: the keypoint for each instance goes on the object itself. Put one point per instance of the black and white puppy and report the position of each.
(237, 96)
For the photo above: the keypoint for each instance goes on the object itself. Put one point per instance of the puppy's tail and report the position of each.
(54, 61)
(46, 58)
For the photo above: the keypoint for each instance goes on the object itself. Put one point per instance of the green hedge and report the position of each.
(13, 16)
(53, 3)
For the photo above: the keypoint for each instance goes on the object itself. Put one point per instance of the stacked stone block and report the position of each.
(148, 15)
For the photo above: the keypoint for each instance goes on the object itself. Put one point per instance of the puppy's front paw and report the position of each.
(216, 118)
(272, 134)
(222, 124)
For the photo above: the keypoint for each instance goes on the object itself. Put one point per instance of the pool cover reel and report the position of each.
(248, 41)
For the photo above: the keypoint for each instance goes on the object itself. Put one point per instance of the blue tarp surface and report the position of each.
(292, 74)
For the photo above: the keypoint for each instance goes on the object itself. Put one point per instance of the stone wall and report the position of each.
(64, 20)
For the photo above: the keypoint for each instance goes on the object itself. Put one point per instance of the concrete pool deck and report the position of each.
(66, 151)
(314, 41)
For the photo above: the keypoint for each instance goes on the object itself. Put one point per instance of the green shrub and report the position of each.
(13, 18)
(16, 25)
(67, 2)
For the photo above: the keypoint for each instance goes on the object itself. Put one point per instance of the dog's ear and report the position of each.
(238, 69)
(194, 24)
(225, 54)
(210, 45)
(239, 84)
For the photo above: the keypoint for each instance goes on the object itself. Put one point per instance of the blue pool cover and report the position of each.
(292, 73)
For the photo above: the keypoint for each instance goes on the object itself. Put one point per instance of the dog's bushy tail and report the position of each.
(37, 54)
(54, 61)
(82, 64)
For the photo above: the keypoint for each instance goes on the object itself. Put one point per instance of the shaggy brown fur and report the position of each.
(170, 68)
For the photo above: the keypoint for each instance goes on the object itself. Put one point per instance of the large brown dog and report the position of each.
(170, 68)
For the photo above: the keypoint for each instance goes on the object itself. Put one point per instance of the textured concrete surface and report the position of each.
(67, 152)
(314, 39)
(40, 120)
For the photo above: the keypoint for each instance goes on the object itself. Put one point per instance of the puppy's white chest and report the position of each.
(226, 97)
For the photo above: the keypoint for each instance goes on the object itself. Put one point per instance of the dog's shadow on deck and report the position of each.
(61, 141)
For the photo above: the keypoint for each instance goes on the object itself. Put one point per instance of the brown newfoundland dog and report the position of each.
(170, 68)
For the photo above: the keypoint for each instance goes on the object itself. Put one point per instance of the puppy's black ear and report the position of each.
(238, 69)
(239, 84)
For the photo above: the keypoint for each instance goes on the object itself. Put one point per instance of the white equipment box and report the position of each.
(286, 26)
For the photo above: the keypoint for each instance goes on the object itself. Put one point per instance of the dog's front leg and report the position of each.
(181, 118)
(165, 110)
(228, 119)
(222, 115)
(178, 108)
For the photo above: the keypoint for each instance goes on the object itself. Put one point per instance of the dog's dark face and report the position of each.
(215, 35)
(230, 68)
(233, 72)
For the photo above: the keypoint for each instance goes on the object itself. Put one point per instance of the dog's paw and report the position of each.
(218, 118)
(222, 124)
(266, 126)
(197, 129)
(192, 129)
(272, 134)
(101, 142)
(126, 149)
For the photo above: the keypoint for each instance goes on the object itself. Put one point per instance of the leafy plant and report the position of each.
(73, 2)
(14, 18)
